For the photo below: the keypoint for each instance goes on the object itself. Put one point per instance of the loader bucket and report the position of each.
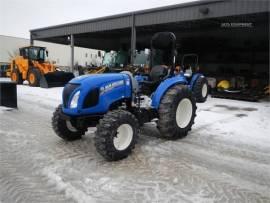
(55, 79)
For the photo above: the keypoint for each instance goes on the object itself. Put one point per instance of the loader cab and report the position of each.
(142, 58)
(115, 60)
(121, 59)
(108, 59)
(34, 53)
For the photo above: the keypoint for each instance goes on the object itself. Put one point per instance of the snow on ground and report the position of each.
(5, 79)
(225, 158)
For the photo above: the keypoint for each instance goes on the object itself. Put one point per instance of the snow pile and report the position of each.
(46, 98)
(3, 109)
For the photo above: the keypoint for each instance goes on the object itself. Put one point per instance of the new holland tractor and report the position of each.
(31, 65)
(117, 104)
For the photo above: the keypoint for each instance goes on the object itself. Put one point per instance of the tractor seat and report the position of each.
(156, 75)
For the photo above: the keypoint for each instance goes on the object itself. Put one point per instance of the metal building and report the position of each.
(225, 33)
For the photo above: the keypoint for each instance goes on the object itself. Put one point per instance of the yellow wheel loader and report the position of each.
(30, 65)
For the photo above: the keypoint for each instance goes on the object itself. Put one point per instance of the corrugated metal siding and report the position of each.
(157, 16)
(103, 25)
(179, 14)
(217, 9)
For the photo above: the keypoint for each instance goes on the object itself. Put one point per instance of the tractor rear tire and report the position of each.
(16, 76)
(177, 111)
(116, 135)
(201, 90)
(33, 77)
(64, 128)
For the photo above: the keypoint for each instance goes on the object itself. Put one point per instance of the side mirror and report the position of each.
(99, 53)
(47, 53)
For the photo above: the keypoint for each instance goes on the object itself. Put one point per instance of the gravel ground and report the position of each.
(225, 158)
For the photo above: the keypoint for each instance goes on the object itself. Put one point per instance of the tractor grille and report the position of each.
(91, 99)
(68, 90)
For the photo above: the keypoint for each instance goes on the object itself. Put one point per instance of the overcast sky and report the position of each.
(17, 17)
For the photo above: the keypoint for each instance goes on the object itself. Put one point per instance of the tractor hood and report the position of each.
(98, 79)
(95, 93)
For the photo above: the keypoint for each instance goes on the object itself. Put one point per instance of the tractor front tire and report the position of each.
(16, 76)
(116, 135)
(64, 128)
(201, 90)
(177, 111)
(33, 77)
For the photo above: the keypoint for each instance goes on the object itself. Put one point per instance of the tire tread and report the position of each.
(105, 134)
(60, 128)
(197, 89)
(167, 109)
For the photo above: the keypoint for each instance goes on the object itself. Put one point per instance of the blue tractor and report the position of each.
(117, 104)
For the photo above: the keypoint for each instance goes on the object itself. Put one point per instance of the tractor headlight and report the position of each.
(74, 100)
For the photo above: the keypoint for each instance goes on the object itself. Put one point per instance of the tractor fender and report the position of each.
(164, 87)
(194, 79)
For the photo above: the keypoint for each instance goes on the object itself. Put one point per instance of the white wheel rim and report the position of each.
(184, 113)
(70, 126)
(204, 90)
(124, 137)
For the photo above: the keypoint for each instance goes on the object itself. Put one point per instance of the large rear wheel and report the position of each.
(177, 112)
(116, 135)
(16, 76)
(65, 128)
(34, 76)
